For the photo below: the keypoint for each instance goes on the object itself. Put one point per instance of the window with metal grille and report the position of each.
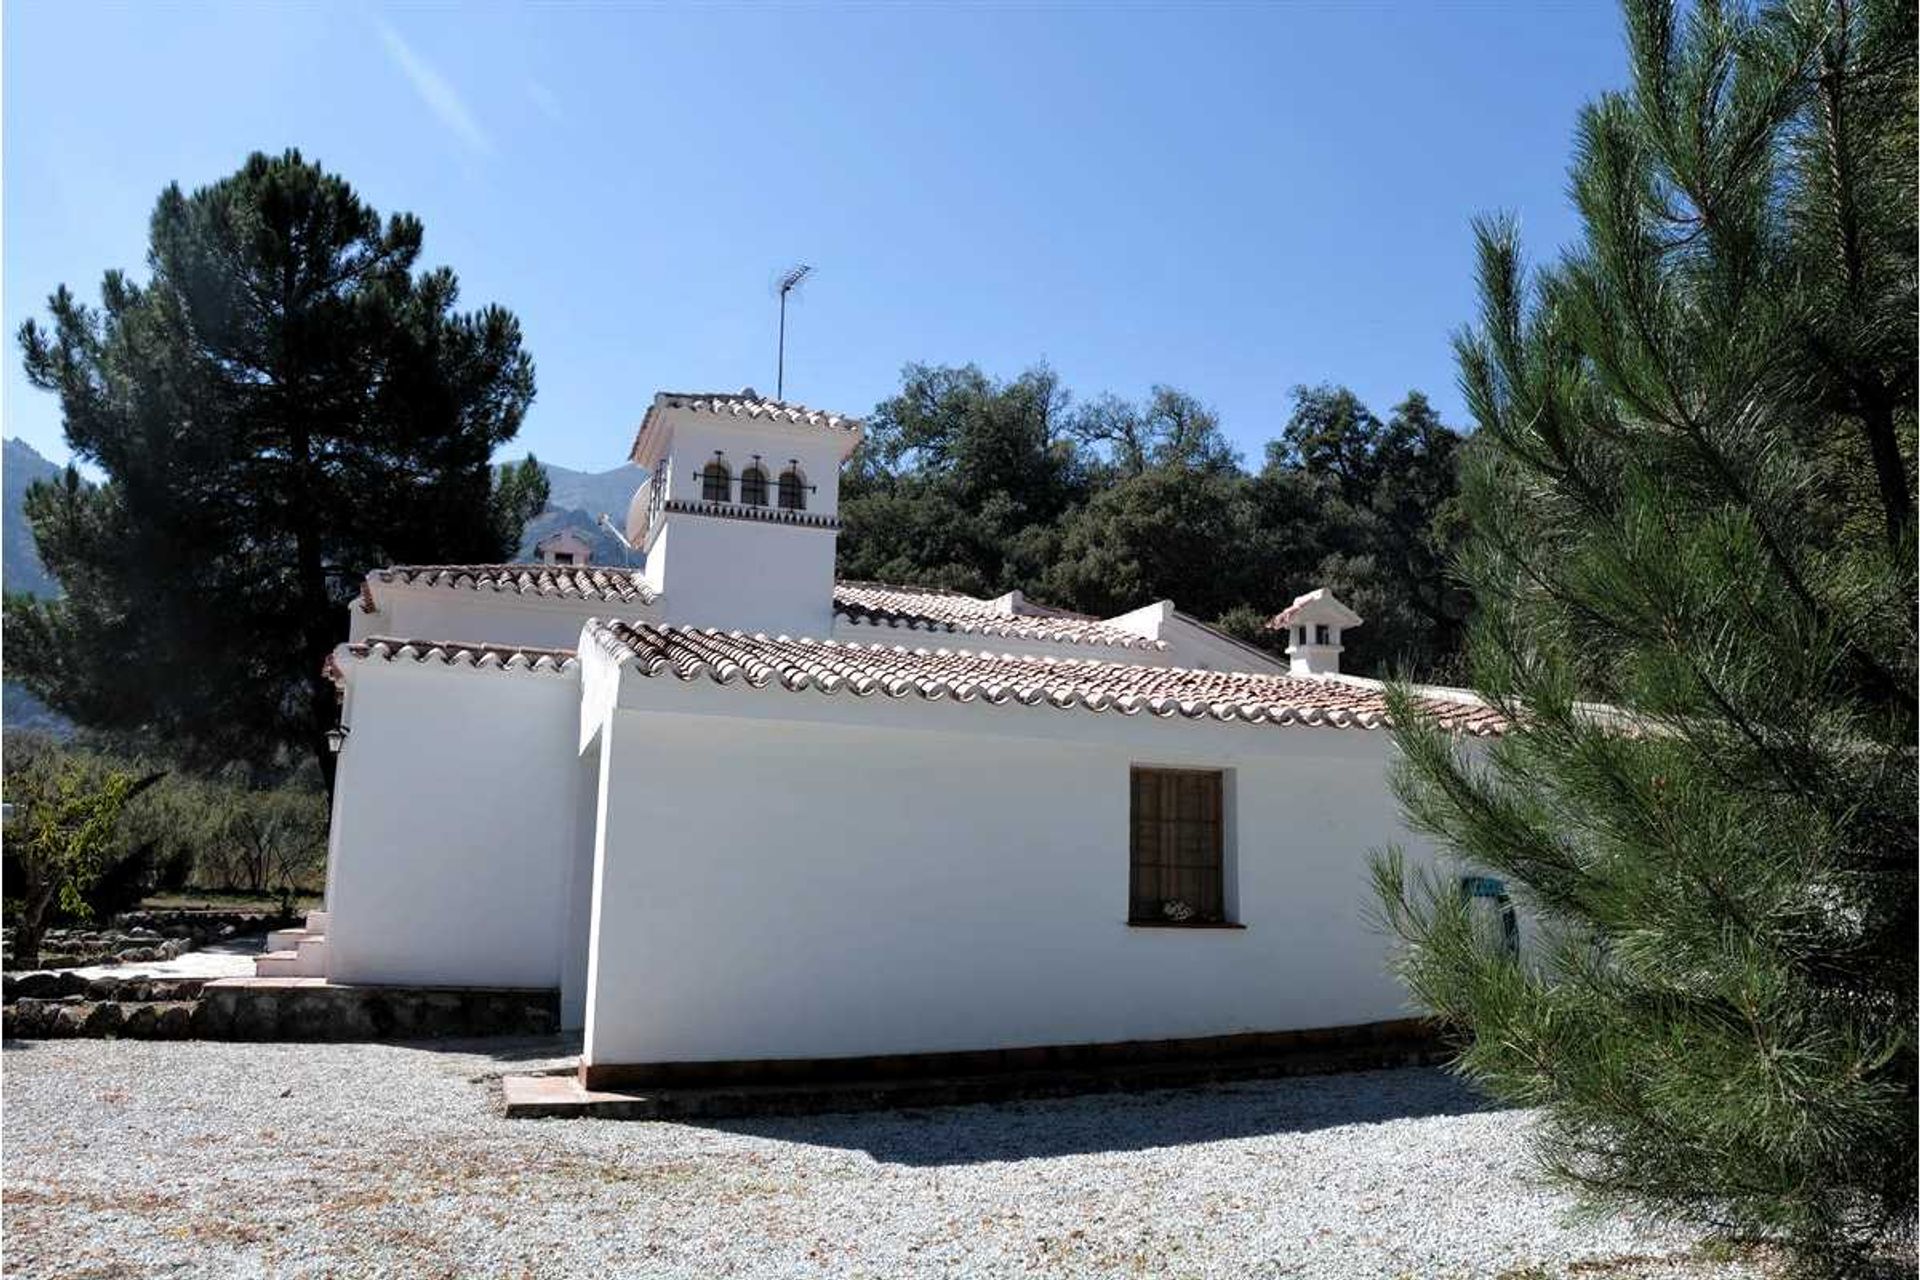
(793, 491)
(716, 482)
(753, 487)
(1178, 864)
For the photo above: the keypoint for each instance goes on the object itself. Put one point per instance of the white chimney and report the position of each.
(1312, 625)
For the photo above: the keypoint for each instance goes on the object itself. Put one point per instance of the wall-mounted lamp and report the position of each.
(336, 738)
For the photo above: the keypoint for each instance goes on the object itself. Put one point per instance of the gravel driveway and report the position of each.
(131, 1158)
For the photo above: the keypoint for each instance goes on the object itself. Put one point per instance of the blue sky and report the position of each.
(1231, 199)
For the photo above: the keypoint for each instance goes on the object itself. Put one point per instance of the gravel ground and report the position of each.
(131, 1158)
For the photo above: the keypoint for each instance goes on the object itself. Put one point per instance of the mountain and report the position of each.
(576, 500)
(20, 567)
(21, 570)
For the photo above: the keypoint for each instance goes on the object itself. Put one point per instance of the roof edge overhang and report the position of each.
(781, 418)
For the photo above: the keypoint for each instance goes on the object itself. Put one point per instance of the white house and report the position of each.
(563, 547)
(738, 812)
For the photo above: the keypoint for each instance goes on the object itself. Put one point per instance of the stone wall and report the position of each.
(140, 937)
(52, 1005)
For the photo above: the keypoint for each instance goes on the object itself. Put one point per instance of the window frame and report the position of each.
(716, 468)
(792, 482)
(1209, 916)
(753, 486)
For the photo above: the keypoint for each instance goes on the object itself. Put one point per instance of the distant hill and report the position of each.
(20, 567)
(21, 570)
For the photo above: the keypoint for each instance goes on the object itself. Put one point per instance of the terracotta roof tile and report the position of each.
(480, 657)
(746, 403)
(863, 670)
(554, 582)
(876, 604)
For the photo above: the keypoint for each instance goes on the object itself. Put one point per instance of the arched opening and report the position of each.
(753, 487)
(716, 482)
(793, 490)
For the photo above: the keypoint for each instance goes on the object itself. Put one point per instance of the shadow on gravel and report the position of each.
(1119, 1122)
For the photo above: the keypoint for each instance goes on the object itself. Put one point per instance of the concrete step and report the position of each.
(277, 964)
(306, 959)
(316, 922)
(285, 939)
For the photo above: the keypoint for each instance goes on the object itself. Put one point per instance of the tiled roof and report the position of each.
(1315, 606)
(746, 403)
(552, 582)
(863, 670)
(480, 657)
(875, 604)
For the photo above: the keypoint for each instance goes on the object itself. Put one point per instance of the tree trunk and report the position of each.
(30, 930)
(1889, 467)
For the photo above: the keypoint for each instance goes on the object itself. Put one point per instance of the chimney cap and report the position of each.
(1317, 606)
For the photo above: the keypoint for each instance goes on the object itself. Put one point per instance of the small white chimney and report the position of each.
(1312, 625)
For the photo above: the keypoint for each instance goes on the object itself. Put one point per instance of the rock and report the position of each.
(256, 1017)
(142, 1020)
(103, 989)
(212, 1018)
(28, 1018)
(35, 986)
(71, 984)
(175, 1021)
(68, 1020)
(103, 1020)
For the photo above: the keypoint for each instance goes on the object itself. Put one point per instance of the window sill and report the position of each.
(1184, 924)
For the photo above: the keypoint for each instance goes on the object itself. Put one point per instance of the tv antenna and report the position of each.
(787, 284)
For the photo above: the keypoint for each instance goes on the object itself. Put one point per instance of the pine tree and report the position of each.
(282, 406)
(1695, 504)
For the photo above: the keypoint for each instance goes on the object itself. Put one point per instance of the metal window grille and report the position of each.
(1178, 824)
(716, 485)
(753, 487)
(793, 493)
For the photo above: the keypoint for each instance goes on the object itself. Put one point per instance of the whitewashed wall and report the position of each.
(454, 833)
(770, 888)
(743, 575)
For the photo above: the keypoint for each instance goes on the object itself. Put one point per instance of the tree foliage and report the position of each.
(228, 831)
(62, 837)
(1691, 496)
(985, 486)
(284, 404)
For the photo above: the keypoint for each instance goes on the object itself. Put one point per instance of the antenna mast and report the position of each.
(787, 284)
